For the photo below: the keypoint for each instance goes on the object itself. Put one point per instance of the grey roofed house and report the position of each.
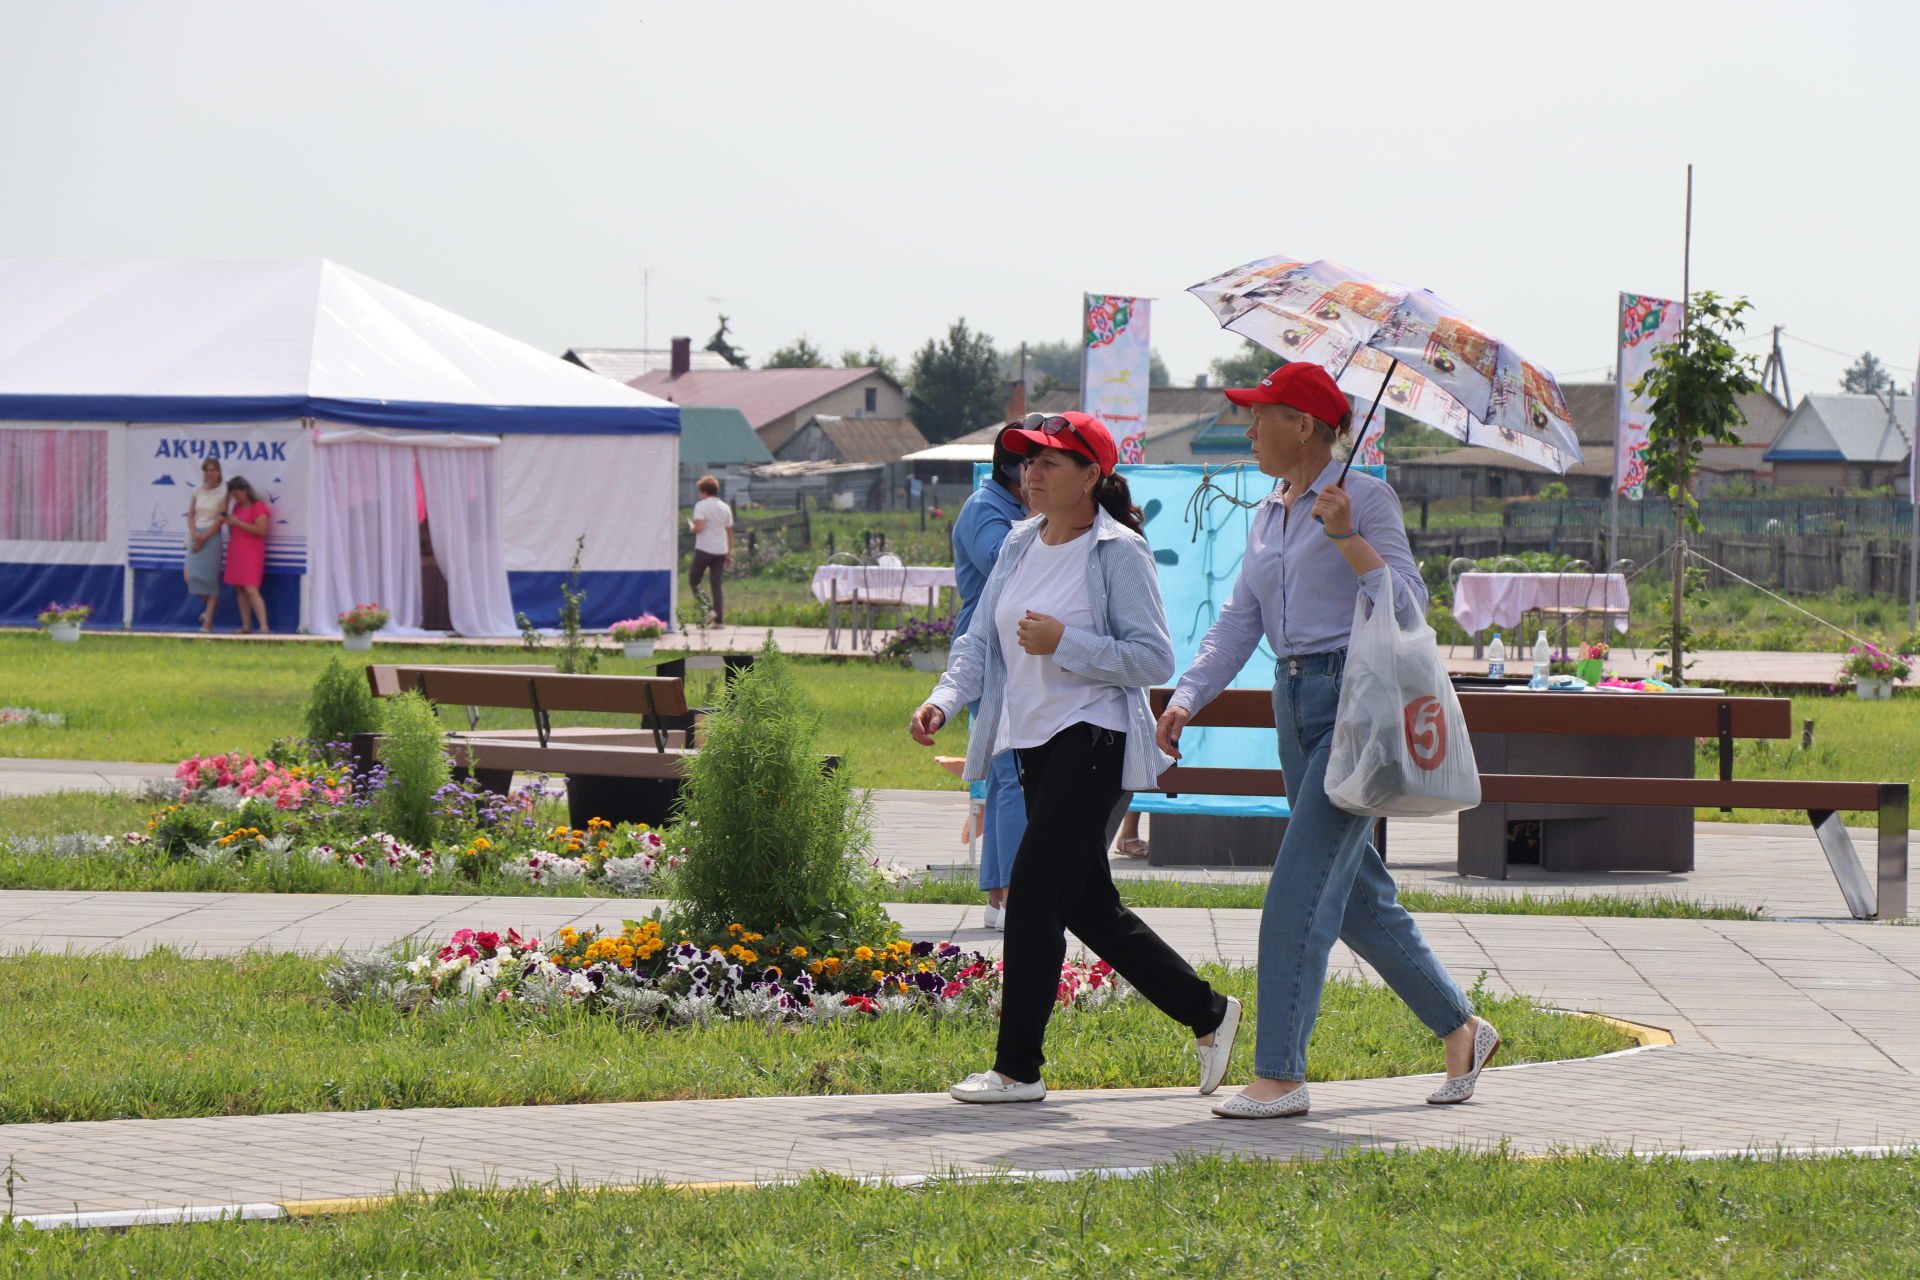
(1843, 442)
(624, 364)
(832, 438)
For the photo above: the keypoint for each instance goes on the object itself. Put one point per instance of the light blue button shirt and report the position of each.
(1296, 588)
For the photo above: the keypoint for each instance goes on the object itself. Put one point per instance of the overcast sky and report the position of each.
(866, 173)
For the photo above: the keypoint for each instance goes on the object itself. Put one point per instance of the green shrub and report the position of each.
(772, 838)
(415, 754)
(340, 704)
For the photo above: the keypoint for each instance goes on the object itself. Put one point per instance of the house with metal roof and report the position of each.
(625, 363)
(1840, 442)
(778, 402)
(716, 441)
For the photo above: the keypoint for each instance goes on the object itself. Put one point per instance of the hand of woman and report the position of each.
(925, 723)
(1334, 509)
(1040, 634)
(1167, 732)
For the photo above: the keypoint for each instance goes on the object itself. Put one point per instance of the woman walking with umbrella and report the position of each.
(1296, 589)
(1068, 634)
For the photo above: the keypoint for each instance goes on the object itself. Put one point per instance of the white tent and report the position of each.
(358, 411)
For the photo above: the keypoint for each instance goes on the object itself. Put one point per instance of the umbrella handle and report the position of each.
(1342, 481)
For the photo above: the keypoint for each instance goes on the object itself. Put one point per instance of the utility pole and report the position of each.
(1776, 370)
(1677, 665)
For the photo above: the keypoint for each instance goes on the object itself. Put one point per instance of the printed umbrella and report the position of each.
(1382, 339)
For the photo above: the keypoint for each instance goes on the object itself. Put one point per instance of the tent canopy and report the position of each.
(206, 342)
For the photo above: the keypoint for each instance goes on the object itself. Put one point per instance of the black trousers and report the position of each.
(1061, 881)
(702, 562)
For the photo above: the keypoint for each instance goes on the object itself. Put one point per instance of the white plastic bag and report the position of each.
(1400, 747)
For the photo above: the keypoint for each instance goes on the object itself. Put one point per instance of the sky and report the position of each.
(591, 173)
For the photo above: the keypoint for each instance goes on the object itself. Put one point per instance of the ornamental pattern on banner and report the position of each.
(1645, 323)
(1115, 362)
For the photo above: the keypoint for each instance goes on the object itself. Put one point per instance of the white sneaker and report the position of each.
(991, 1086)
(997, 918)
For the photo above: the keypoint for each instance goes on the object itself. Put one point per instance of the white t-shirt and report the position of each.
(718, 518)
(1043, 697)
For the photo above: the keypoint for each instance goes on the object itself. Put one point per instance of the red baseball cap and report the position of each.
(1299, 385)
(1080, 433)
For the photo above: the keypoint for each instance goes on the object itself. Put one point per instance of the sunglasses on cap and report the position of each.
(1056, 426)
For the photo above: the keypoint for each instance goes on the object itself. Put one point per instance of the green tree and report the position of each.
(956, 384)
(798, 354)
(853, 358)
(1245, 367)
(1866, 376)
(1692, 389)
(1058, 365)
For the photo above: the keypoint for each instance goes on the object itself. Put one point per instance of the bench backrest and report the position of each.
(1666, 715)
(545, 690)
(381, 677)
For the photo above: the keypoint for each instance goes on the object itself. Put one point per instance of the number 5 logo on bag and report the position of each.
(1426, 732)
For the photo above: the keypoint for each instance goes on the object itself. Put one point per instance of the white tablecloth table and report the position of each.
(836, 584)
(1483, 600)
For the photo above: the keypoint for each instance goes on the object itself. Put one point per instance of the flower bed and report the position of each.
(28, 716)
(642, 979)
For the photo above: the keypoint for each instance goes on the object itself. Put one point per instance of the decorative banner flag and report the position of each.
(1115, 360)
(1645, 323)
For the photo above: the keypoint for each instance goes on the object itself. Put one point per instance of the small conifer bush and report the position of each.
(415, 754)
(340, 704)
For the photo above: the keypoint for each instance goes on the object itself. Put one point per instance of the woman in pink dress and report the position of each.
(247, 551)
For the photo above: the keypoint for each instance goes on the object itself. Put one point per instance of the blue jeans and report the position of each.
(1329, 882)
(1005, 823)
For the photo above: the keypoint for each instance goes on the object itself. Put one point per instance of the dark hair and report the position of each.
(1007, 463)
(240, 482)
(1112, 494)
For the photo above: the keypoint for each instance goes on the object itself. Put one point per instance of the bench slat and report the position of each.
(1699, 793)
(568, 758)
(517, 689)
(1594, 714)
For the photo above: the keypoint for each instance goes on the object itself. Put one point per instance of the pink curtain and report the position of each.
(53, 485)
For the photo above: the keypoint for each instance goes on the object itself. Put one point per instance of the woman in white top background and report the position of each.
(206, 516)
(1068, 635)
(712, 526)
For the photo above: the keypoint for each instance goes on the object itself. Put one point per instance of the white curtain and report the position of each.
(463, 517)
(366, 535)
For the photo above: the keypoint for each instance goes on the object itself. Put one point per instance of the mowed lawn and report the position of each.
(148, 699)
(143, 698)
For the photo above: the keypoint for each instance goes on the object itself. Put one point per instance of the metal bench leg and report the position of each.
(1893, 851)
(1838, 846)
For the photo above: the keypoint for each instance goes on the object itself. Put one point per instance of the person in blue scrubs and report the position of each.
(978, 530)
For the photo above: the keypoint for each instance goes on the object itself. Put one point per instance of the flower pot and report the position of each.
(930, 660)
(64, 632)
(1870, 689)
(357, 644)
(639, 648)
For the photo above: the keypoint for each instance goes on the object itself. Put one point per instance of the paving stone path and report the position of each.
(1800, 1034)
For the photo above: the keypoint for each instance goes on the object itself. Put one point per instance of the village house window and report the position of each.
(873, 399)
(53, 485)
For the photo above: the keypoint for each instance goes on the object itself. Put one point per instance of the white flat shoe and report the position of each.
(1459, 1088)
(1241, 1107)
(1214, 1057)
(990, 1086)
(996, 918)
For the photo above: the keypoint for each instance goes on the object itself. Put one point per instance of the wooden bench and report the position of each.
(619, 774)
(1533, 723)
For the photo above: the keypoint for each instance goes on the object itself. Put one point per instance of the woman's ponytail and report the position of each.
(1117, 501)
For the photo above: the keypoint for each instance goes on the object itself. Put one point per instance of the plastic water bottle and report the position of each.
(1497, 657)
(1542, 662)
